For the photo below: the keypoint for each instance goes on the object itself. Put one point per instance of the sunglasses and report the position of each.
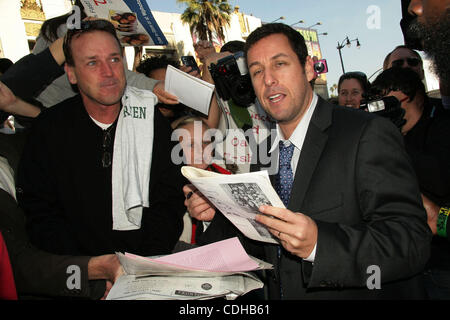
(412, 62)
(88, 25)
(106, 145)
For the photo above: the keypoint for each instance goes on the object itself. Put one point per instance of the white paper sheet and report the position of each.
(130, 287)
(191, 91)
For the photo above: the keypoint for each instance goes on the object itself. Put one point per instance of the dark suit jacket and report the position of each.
(355, 181)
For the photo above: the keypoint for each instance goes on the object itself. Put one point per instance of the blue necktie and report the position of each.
(283, 186)
(285, 177)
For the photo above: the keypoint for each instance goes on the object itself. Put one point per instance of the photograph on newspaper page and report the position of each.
(238, 197)
(132, 19)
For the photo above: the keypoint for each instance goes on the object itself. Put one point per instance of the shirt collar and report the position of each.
(298, 136)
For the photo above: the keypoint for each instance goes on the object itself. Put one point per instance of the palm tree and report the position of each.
(333, 88)
(206, 17)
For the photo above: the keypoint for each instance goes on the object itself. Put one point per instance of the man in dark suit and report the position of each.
(354, 227)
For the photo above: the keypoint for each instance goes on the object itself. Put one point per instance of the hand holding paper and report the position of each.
(191, 91)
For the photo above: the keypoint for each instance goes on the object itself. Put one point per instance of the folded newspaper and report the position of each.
(238, 197)
(220, 269)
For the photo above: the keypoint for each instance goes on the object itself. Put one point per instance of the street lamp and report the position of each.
(315, 24)
(346, 42)
(323, 34)
(280, 18)
(301, 21)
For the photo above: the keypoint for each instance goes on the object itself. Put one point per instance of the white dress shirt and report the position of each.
(297, 138)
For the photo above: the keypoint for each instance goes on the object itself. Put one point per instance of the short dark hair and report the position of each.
(233, 46)
(405, 80)
(86, 27)
(5, 64)
(148, 64)
(295, 39)
(358, 76)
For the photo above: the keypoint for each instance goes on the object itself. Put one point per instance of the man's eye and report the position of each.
(91, 63)
(256, 72)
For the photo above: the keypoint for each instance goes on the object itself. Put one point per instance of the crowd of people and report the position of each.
(365, 179)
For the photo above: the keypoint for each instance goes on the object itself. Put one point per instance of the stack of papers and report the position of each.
(216, 270)
(191, 91)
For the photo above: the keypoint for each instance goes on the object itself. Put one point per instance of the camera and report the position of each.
(232, 80)
(189, 61)
(388, 107)
(320, 66)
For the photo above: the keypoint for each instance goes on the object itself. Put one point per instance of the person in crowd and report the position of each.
(5, 123)
(355, 201)
(404, 57)
(237, 122)
(431, 25)
(425, 137)
(60, 89)
(155, 68)
(65, 174)
(49, 276)
(352, 86)
(426, 141)
(192, 133)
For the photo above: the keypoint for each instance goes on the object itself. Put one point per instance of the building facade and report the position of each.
(25, 18)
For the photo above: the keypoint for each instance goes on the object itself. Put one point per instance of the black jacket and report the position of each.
(355, 181)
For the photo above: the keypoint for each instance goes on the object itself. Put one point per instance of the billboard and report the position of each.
(133, 20)
(312, 43)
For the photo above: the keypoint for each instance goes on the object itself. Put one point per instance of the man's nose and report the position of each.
(269, 78)
(415, 7)
(107, 69)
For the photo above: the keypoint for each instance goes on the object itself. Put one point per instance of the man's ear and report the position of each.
(309, 69)
(70, 74)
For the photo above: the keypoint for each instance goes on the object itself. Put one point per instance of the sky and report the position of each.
(376, 23)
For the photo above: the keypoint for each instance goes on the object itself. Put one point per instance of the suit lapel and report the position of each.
(315, 140)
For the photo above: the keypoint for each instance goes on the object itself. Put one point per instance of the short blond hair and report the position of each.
(185, 120)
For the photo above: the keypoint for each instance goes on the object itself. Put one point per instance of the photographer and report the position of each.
(426, 141)
(238, 117)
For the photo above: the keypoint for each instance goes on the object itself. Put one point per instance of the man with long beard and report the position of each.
(432, 25)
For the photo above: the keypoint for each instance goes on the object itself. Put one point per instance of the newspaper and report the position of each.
(132, 19)
(238, 197)
(131, 287)
(220, 269)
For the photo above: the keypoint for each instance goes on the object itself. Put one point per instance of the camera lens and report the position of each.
(319, 67)
(242, 91)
